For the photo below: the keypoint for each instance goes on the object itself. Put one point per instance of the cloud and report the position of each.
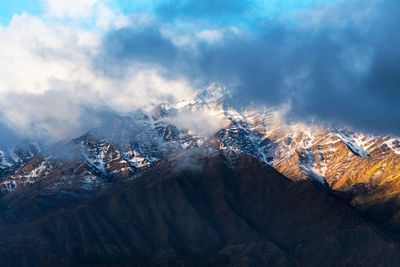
(337, 63)
(95, 14)
(48, 83)
(352, 57)
(204, 122)
(66, 9)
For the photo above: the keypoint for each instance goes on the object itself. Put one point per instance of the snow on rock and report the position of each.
(4, 163)
(393, 144)
(351, 143)
(129, 145)
(40, 170)
(313, 174)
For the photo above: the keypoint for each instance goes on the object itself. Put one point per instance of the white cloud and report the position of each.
(107, 17)
(203, 122)
(47, 81)
(68, 9)
(95, 13)
(339, 14)
(211, 36)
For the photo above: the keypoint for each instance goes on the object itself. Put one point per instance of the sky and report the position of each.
(63, 66)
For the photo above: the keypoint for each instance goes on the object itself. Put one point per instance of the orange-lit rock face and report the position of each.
(324, 154)
(366, 169)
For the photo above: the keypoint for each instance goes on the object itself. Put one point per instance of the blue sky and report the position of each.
(10, 7)
(265, 8)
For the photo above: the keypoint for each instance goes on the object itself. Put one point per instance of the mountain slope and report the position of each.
(201, 207)
(363, 169)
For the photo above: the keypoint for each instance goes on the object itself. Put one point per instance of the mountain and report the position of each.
(361, 169)
(14, 157)
(202, 206)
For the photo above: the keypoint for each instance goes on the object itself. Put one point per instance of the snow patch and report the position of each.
(393, 144)
(351, 143)
(3, 161)
(313, 174)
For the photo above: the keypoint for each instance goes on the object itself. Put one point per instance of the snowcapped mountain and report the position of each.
(363, 167)
(14, 157)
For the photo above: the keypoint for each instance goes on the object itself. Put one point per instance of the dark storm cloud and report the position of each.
(144, 45)
(337, 64)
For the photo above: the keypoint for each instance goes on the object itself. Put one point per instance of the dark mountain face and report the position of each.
(203, 207)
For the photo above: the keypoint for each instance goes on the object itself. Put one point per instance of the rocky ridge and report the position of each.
(364, 169)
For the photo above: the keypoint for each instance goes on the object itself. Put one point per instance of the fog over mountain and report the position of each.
(326, 62)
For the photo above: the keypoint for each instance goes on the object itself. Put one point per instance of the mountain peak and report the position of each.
(213, 94)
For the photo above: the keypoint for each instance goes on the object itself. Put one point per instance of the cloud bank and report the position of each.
(335, 63)
(50, 89)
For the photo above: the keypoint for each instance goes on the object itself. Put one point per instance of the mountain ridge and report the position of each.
(363, 169)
